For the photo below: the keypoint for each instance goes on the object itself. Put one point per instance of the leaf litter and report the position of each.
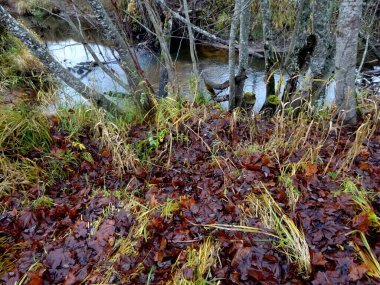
(189, 221)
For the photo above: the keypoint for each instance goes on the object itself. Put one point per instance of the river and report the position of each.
(213, 63)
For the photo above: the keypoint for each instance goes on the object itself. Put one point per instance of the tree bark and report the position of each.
(223, 43)
(138, 84)
(53, 66)
(348, 26)
(293, 63)
(164, 74)
(245, 18)
(299, 37)
(193, 52)
(84, 40)
(200, 81)
(269, 53)
(231, 56)
(163, 36)
(313, 78)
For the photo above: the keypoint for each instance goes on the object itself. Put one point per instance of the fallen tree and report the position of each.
(52, 65)
(222, 43)
(211, 85)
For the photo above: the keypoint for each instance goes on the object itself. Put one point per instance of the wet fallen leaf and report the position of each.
(311, 169)
(361, 222)
(357, 272)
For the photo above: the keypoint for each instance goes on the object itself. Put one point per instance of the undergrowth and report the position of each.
(21, 71)
(291, 238)
(23, 129)
(209, 154)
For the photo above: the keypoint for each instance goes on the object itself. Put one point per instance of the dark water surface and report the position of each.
(213, 63)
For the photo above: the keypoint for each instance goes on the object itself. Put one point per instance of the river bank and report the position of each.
(198, 196)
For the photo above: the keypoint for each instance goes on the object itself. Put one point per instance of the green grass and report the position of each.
(23, 129)
(11, 70)
(43, 202)
(19, 68)
(363, 199)
(75, 120)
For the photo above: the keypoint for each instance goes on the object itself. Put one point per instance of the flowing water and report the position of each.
(66, 48)
(213, 63)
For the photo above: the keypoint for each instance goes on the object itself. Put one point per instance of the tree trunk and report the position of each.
(53, 66)
(223, 43)
(141, 92)
(348, 26)
(145, 18)
(88, 47)
(295, 60)
(164, 75)
(269, 53)
(231, 55)
(245, 18)
(200, 81)
(163, 36)
(193, 52)
(314, 77)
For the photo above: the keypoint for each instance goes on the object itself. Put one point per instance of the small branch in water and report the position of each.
(375, 72)
(212, 86)
(222, 98)
(251, 51)
(225, 84)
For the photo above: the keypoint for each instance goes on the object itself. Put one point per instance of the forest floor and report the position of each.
(201, 197)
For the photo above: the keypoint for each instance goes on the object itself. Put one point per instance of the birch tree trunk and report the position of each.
(164, 74)
(245, 18)
(348, 26)
(52, 65)
(193, 52)
(231, 56)
(269, 53)
(88, 47)
(139, 86)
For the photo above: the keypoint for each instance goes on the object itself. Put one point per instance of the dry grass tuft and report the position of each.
(196, 268)
(111, 134)
(291, 239)
(23, 129)
(292, 193)
(362, 198)
(126, 246)
(19, 174)
(364, 132)
(368, 257)
(116, 140)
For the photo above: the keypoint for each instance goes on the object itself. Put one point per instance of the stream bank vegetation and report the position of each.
(178, 190)
(196, 195)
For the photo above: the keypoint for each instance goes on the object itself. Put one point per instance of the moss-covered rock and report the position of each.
(249, 98)
(273, 99)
